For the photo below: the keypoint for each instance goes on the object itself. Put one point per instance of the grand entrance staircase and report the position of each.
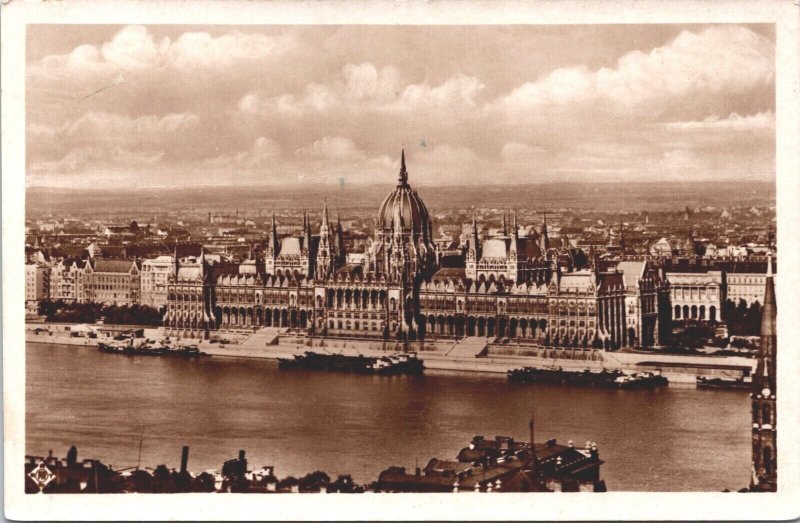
(264, 337)
(469, 347)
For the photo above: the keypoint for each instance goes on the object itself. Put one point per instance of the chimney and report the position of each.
(241, 455)
(184, 458)
(418, 471)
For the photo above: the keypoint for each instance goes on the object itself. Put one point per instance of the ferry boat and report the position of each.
(395, 364)
(147, 348)
(724, 383)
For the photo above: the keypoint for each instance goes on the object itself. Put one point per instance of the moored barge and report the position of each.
(611, 379)
(723, 383)
(146, 348)
(404, 363)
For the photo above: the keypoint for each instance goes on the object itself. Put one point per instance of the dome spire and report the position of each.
(403, 173)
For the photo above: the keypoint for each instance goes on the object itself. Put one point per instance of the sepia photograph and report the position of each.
(289, 255)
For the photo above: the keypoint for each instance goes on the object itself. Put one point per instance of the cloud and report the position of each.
(134, 48)
(100, 140)
(265, 152)
(734, 122)
(200, 49)
(96, 129)
(315, 103)
(332, 147)
(365, 88)
(716, 59)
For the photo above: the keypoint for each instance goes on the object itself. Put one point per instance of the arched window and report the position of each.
(766, 414)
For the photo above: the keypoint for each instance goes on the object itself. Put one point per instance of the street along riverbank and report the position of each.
(468, 354)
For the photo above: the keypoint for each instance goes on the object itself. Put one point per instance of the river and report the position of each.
(673, 439)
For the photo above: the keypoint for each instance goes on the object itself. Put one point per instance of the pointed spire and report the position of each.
(505, 223)
(403, 173)
(272, 247)
(766, 366)
(325, 213)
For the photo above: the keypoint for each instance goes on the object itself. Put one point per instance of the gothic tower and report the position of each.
(273, 248)
(325, 257)
(473, 252)
(763, 396)
(545, 245)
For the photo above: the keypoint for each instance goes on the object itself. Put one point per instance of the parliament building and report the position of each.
(405, 288)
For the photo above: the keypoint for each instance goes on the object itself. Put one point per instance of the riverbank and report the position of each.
(469, 354)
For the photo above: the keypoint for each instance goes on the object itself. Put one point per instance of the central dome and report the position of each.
(412, 209)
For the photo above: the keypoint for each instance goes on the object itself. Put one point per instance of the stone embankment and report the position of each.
(471, 354)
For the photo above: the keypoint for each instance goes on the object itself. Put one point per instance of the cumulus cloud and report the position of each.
(734, 122)
(332, 147)
(134, 48)
(97, 129)
(365, 88)
(318, 104)
(716, 59)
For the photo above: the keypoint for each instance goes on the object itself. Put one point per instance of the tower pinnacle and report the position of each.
(403, 173)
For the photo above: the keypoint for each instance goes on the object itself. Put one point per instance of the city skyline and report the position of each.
(306, 106)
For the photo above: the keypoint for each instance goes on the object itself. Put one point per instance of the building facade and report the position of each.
(111, 282)
(154, 279)
(747, 286)
(37, 285)
(697, 295)
(64, 280)
(510, 285)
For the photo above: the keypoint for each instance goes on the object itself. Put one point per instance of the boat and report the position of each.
(386, 365)
(644, 380)
(111, 348)
(724, 383)
(145, 347)
(611, 379)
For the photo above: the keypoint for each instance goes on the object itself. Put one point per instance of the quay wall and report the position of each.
(677, 368)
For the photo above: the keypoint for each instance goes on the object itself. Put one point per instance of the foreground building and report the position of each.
(764, 397)
(503, 465)
(509, 285)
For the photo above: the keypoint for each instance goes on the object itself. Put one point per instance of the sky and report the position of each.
(134, 106)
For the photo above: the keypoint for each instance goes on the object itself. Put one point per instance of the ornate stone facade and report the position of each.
(508, 287)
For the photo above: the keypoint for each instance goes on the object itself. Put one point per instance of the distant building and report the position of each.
(64, 280)
(747, 286)
(154, 280)
(661, 248)
(112, 282)
(697, 295)
(764, 397)
(37, 285)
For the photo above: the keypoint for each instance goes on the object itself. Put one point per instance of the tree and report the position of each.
(314, 480)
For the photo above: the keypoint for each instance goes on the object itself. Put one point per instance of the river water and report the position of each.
(674, 439)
